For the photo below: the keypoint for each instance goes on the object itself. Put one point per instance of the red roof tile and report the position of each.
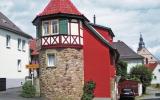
(60, 6)
(151, 66)
(32, 44)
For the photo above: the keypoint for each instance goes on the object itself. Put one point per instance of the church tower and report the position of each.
(143, 51)
(141, 43)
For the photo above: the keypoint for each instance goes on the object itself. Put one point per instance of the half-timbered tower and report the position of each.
(73, 51)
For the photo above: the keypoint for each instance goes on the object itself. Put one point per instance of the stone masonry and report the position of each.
(65, 80)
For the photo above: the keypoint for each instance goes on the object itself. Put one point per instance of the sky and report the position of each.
(126, 18)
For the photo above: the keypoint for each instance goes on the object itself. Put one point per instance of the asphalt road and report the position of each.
(14, 94)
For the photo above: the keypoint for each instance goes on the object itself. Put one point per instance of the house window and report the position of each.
(55, 27)
(51, 60)
(8, 41)
(19, 66)
(23, 45)
(63, 26)
(155, 77)
(159, 70)
(19, 44)
(45, 27)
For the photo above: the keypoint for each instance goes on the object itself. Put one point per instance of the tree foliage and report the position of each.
(121, 68)
(88, 90)
(143, 74)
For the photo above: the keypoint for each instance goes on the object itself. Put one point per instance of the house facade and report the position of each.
(73, 51)
(128, 55)
(14, 53)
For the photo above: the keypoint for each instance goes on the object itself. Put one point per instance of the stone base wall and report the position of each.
(65, 80)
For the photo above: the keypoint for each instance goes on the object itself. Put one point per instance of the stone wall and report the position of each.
(65, 80)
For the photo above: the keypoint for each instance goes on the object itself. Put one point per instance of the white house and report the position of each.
(155, 68)
(128, 55)
(156, 75)
(14, 53)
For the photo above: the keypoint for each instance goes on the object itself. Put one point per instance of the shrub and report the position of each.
(88, 90)
(28, 90)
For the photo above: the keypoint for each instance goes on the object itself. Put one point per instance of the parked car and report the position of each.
(127, 94)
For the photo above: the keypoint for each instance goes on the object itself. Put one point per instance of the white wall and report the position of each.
(9, 57)
(132, 63)
(156, 73)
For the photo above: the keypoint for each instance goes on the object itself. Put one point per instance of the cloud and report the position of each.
(127, 18)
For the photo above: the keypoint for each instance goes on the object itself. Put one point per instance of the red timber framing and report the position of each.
(56, 41)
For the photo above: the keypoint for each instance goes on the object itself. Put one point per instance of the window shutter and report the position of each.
(63, 26)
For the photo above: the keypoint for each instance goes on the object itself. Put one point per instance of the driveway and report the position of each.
(152, 94)
(14, 94)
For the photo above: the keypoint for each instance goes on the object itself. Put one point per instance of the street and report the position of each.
(14, 94)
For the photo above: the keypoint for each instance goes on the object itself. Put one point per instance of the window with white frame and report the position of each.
(19, 66)
(19, 44)
(55, 27)
(51, 60)
(23, 45)
(45, 27)
(8, 41)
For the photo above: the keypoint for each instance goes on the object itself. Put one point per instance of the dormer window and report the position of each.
(55, 27)
(45, 27)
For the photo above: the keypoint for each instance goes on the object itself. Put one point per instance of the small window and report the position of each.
(155, 77)
(45, 27)
(55, 27)
(23, 45)
(19, 66)
(8, 41)
(19, 44)
(159, 70)
(51, 60)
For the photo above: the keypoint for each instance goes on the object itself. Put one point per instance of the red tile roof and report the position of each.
(60, 6)
(151, 66)
(32, 44)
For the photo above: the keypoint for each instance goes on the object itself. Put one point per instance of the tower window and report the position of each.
(45, 27)
(51, 60)
(55, 27)
(63, 25)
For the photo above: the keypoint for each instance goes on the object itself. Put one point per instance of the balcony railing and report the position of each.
(57, 41)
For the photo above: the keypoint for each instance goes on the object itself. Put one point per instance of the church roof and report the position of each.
(151, 66)
(8, 25)
(60, 6)
(125, 51)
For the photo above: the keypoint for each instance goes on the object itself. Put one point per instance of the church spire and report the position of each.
(141, 43)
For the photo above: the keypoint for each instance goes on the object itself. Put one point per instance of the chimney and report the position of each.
(94, 19)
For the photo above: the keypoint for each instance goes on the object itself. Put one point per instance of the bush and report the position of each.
(88, 90)
(28, 90)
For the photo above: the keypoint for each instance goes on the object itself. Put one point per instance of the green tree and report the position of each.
(143, 74)
(121, 68)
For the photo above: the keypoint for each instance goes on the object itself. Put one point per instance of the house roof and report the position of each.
(151, 66)
(8, 25)
(125, 51)
(102, 39)
(60, 6)
(32, 44)
(104, 27)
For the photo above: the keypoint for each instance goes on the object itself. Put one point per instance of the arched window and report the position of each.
(146, 60)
